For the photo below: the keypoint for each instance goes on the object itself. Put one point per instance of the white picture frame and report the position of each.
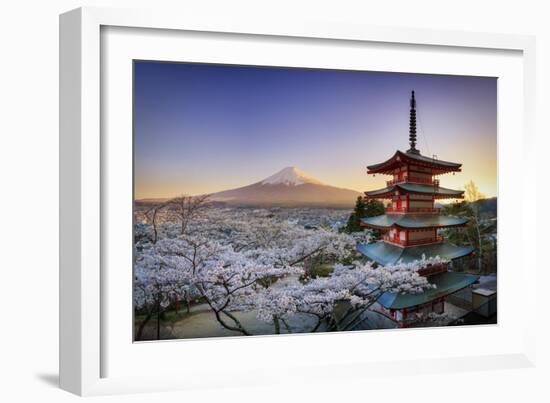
(85, 343)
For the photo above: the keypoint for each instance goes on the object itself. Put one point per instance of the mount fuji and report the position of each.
(289, 187)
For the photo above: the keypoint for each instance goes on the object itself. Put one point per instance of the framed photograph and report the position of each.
(231, 192)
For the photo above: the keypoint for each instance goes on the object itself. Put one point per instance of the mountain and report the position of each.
(289, 187)
(487, 207)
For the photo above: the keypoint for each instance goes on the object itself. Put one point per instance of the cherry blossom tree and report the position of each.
(224, 279)
(157, 283)
(152, 216)
(185, 209)
(358, 287)
(235, 261)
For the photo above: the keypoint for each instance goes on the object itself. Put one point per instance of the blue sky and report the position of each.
(204, 128)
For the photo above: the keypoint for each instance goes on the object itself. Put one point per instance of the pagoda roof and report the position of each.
(413, 221)
(438, 166)
(385, 253)
(446, 283)
(417, 188)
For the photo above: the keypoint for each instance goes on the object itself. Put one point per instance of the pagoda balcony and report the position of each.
(433, 182)
(397, 210)
(432, 269)
(412, 242)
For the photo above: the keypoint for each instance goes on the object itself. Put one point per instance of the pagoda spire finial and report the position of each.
(412, 127)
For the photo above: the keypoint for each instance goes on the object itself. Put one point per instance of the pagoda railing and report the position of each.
(412, 242)
(395, 181)
(413, 210)
(433, 269)
(425, 241)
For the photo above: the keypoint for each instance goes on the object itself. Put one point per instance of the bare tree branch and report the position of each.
(186, 208)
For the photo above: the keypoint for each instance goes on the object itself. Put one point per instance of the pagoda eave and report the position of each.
(412, 221)
(438, 167)
(390, 195)
(386, 254)
(408, 188)
(445, 284)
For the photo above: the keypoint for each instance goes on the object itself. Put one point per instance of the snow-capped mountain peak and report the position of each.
(290, 176)
(288, 187)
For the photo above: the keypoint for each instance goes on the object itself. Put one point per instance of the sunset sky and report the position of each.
(206, 128)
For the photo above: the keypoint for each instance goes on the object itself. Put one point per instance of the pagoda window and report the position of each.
(419, 169)
(400, 174)
(421, 197)
(427, 235)
(420, 177)
(420, 174)
(420, 203)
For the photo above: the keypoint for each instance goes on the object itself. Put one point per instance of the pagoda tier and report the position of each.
(412, 221)
(445, 283)
(414, 191)
(413, 165)
(386, 253)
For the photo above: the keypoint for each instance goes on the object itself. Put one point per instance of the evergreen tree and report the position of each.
(363, 208)
(479, 233)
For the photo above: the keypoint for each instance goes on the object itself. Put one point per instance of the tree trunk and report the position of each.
(158, 319)
(139, 333)
(480, 255)
(479, 239)
(229, 327)
(237, 323)
(277, 325)
(155, 234)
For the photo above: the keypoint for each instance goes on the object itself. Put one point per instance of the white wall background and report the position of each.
(29, 201)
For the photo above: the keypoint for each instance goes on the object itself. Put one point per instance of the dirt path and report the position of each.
(203, 323)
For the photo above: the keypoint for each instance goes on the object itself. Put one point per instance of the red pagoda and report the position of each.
(411, 226)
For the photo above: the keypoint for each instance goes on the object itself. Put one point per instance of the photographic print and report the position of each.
(277, 200)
